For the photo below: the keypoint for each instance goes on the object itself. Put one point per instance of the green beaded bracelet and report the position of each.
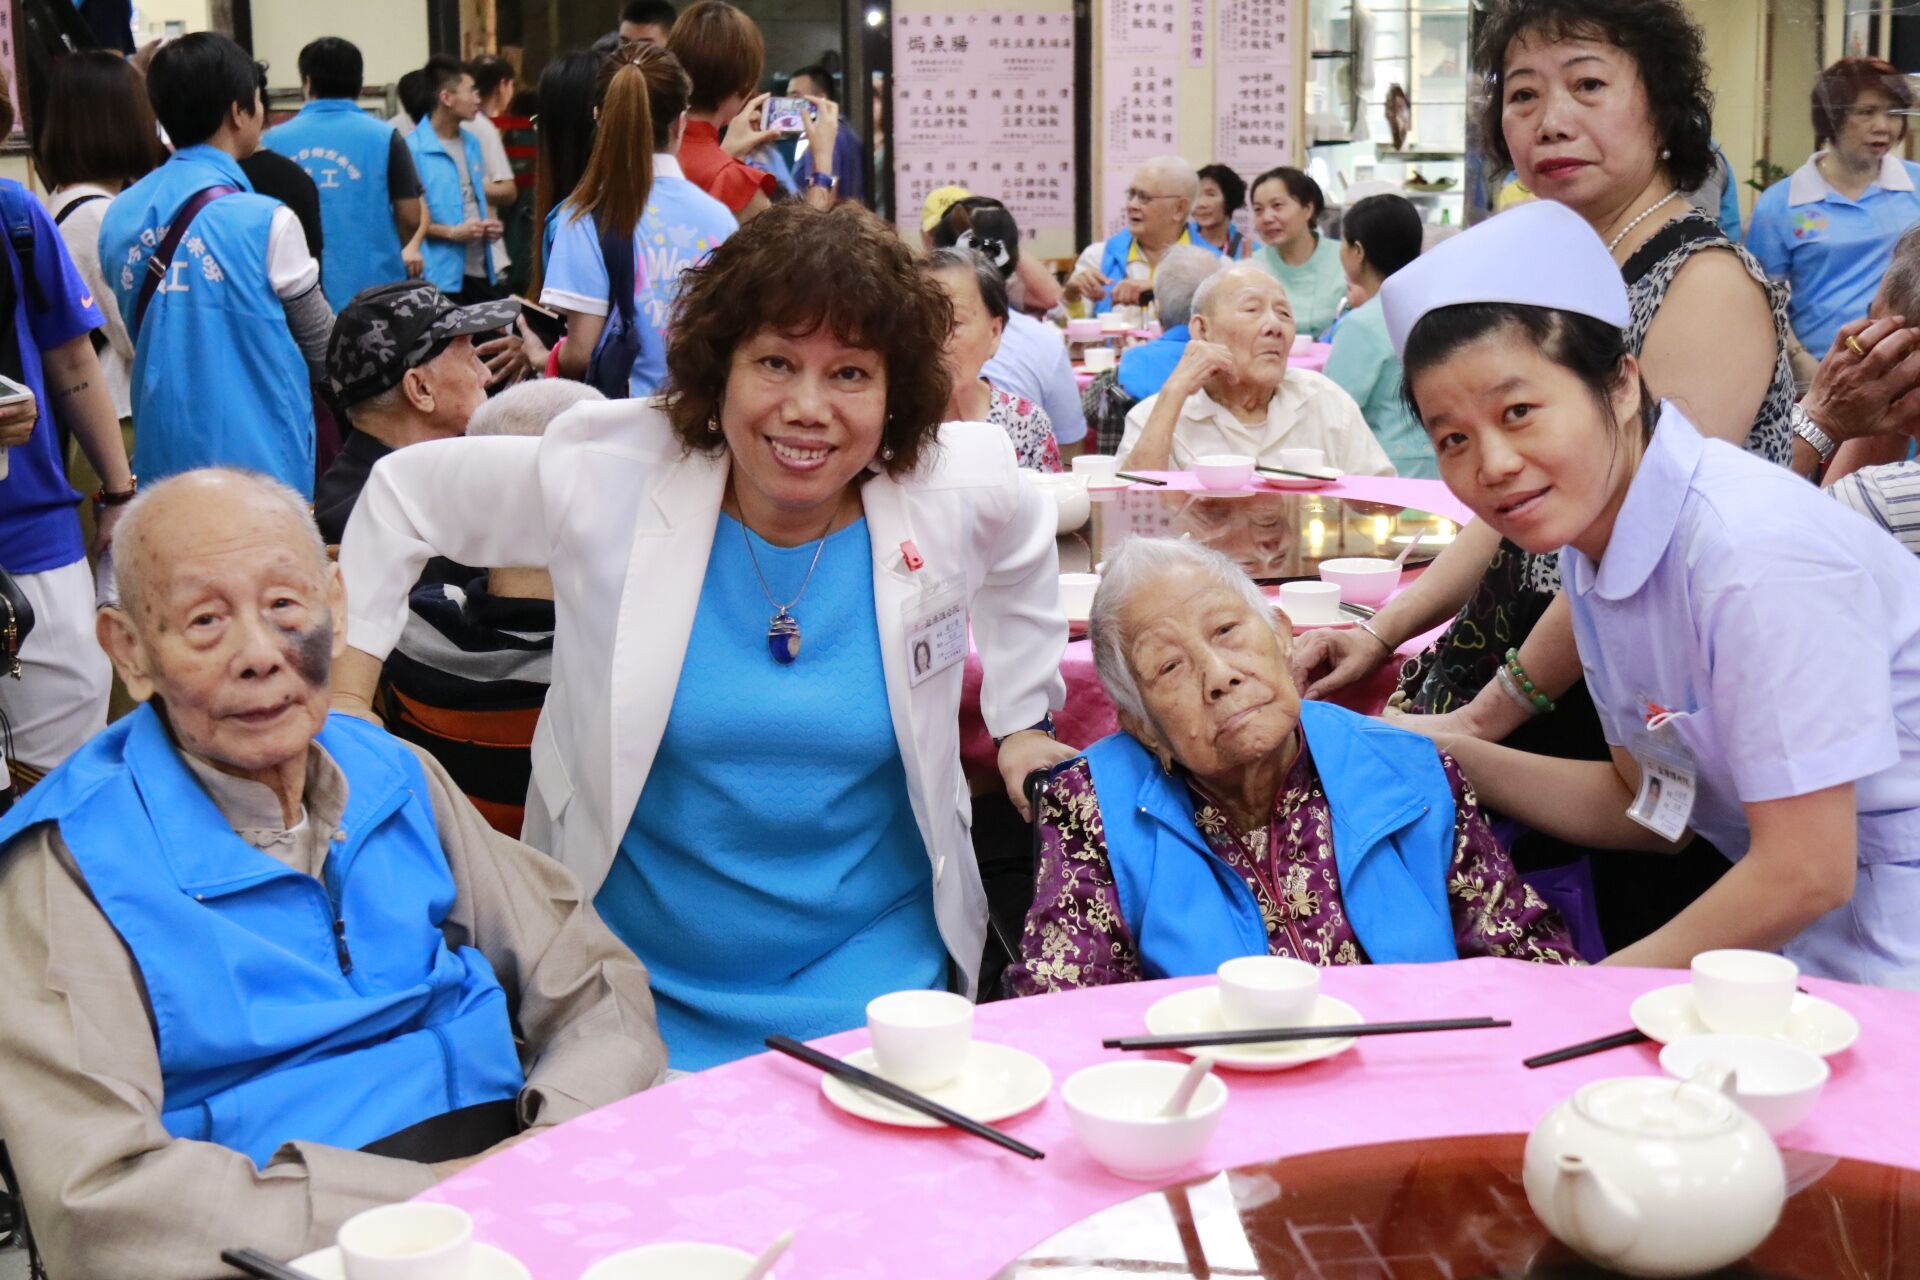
(1519, 673)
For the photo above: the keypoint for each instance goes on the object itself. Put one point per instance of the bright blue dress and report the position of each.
(772, 877)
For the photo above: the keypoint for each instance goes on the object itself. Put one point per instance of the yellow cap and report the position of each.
(939, 200)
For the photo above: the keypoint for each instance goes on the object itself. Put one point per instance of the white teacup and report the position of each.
(407, 1242)
(1312, 461)
(673, 1262)
(920, 1038)
(1267, 991)
(1100, 466)
(1744, 992)
(1076, 594)
(1098, 359)
(1310, 604)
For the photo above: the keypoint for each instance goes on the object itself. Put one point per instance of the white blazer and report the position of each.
(623, 517)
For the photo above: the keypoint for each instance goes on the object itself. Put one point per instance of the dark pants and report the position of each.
(474, 289)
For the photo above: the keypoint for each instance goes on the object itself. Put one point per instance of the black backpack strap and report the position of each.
(618, 253)
(162, 260)
(60, 218)
(20, 236)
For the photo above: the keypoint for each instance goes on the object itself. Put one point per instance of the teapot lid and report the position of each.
(1654, 1107)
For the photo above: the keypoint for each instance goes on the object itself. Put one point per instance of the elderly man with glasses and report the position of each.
(1159, 205)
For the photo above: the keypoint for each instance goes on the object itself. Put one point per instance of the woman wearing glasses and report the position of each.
(1829, 229)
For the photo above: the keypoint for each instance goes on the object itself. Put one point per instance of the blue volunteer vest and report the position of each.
(446, 202)
(1113, 260)
(344, 150)
(268, 1029)
(1393, 816)
(217, 377)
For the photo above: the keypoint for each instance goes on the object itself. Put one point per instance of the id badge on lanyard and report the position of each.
(1668, 773)
(936, 629)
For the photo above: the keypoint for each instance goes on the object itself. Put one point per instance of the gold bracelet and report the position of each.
(1367, 627)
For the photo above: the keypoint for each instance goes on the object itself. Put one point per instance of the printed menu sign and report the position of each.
(1253, 85)
(985, 101)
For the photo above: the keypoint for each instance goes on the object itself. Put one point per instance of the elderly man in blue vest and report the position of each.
(266, 967)
(215, 283)
(370, 205)
(1227, 818)
(1159, 202)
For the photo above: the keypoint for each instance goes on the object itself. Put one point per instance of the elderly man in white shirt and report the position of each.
(1232, 391)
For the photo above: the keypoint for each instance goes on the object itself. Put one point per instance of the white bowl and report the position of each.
(1362, 579)
(1076, 595)
(1114, 1110)
(407, 1242)
(1775, 1082)
(673, 1262)
(1223, 470)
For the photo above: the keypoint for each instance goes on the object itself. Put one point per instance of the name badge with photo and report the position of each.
(1668, 776)
(936, 631)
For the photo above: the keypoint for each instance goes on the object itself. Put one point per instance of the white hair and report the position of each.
(530, 408)
(134, 519)
(1177, 171)
(1176, 280)
(1139, 561)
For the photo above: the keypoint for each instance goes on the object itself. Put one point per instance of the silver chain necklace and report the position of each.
(783, 629)
(1644, 215)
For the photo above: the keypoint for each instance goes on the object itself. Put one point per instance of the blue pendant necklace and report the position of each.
(783, 629)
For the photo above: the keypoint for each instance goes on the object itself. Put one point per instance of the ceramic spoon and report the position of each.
(768, 1256)
(1197, 1071)
(1407, 550)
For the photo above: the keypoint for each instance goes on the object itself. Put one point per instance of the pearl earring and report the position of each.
(713, 424)
(1666, 153)
(886, 454)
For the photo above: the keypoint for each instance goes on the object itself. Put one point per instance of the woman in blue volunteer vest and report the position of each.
(219, 329)
(369, 190)
(1229, 819)
(459, 228)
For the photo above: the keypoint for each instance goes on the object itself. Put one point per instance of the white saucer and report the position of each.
(489, 1263)
(1272, 481)
(1817, 1025)
(999, 1081)
(1340, 623)
(1097, 483)
(1197, 1012)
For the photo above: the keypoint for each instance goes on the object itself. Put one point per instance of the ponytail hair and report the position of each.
(613, 190)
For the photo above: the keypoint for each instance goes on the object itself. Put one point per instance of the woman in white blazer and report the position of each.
(740, 752)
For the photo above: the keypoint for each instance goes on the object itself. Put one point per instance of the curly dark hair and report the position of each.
(1667, 49)
(792, 269)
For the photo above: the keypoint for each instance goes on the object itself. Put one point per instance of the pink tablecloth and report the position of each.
(740, 1153)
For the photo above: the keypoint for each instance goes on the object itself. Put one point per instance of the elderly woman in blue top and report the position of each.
(1158, 209)
(1829, 229)
(1749, 643)
(739, 753)
(1378, 236)
(1227, 818)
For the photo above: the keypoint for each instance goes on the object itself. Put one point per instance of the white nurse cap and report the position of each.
(1539, 254)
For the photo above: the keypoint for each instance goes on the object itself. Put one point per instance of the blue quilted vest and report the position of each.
(1393, 817)
(1113, 260)
(273, 1023)
(344, 150)
(217, 378)
(446, 203)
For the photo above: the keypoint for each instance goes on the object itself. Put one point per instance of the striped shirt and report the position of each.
(1889, 495)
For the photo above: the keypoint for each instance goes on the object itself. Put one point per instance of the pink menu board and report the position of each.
(985, 100)
(1253, 85)
(1139, 119)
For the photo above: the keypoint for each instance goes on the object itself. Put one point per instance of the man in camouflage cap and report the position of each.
(401, 365)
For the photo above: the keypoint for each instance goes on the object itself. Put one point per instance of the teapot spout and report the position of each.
(1598, 1220)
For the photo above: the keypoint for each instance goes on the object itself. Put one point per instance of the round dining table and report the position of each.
(739, 1154)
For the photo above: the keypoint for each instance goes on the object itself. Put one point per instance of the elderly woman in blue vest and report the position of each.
(267, 967)
(363, 169)
(460, 230)
(215, 283)
(1227, 818)
(1119, 272)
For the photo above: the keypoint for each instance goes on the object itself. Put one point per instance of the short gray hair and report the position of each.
(1176, 170)
(993, 285)
(1138, 561)
(138, 512)
(1203, 296)
(1177, 279)
(529, 408)
(1900, 290)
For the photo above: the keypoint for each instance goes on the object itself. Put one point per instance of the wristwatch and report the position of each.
(826, 180)
(1045, 726)
(1804, 426)
(121, 499)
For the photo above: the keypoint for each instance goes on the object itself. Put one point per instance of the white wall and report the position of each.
(392, 34)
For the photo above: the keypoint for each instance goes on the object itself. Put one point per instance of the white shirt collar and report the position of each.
(667, 165)
(1809, 186)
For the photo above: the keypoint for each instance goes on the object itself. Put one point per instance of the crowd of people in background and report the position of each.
(569, 601)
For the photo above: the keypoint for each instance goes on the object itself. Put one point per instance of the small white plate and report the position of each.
(1340, 623)
(999, 1081)
(1197, 1012)
(1668, 1014)
(489, 1263)
(1272, 481)
(1097, 483)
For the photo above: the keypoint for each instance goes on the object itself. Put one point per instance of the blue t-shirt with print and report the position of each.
(681, 226)
(39, 529)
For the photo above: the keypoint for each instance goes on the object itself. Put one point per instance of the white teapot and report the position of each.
(1654, 1177)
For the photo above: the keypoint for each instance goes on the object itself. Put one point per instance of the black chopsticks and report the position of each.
(892, 1092)
(1276, 1035)
(256, 1263)
(1619, 1040)
(1128, 475)
(1300, 475)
